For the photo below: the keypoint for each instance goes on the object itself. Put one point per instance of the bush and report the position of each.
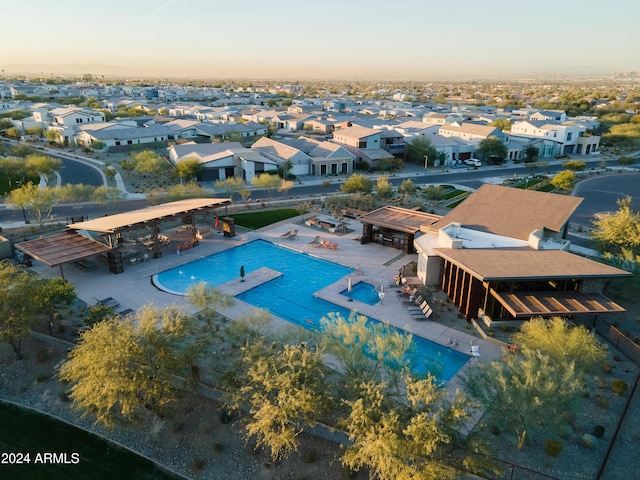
(589, 441)
(310, 456)
(598, 431)
(619, 387)
(553, 447)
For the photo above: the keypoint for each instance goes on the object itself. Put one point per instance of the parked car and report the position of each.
(474, 162)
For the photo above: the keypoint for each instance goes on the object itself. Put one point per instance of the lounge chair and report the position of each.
(323, 244)
(475, 351)
(293, 236)
(333, 246)
(108, 302)
(286, 234)
(315, 241)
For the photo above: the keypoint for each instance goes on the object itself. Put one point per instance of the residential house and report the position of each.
(549, 116)
(472, 132)
(363, 142)
(122, 137)
(441, 118)
(568, 137)
(327, 158)
(220, 160)
(280, 152)
(290, 122)
(502, 256)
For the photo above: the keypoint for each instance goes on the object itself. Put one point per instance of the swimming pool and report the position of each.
(290, 296)
(363, 292)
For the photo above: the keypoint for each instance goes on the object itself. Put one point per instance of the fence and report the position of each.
(614, 336)
(496, 469)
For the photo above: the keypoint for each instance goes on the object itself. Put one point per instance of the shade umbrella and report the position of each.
(349, 288)
(217, 222)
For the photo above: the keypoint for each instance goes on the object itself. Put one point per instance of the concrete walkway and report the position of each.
(372, 263)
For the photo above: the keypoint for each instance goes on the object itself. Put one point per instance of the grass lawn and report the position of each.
(255, 220)
(453, 193)
(24, 431)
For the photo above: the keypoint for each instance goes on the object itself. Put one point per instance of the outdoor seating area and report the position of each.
(290, 234)
(332, 227)
(85, 265)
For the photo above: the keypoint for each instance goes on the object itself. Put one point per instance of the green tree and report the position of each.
(39, 201)
(419, 148)
(575, 165)
(562, 343)
(13, 132)
(97, 146)
(16, 307)
(127, 166)
(435, 193)
(407, 188)
(626, 160)
(52, 292)
(503, 124)
(124, 366)
(209, 298)
(527, 393)
(148, 162)
(492, 148)
(357, 183)
(21, 150)
(285, 391)
(564, 180)
(285, 186)
(402, 440)
(53, 136)
(267, 182)
(108, 197)
(43, 165)
(188, 190)
(189, 169)
(384, 190)
(285, 169)
(531, 154)
(617, 235)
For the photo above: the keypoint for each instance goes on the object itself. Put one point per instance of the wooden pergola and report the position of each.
(72, 246)
(152, 217)
(394, 226)
(514, 283)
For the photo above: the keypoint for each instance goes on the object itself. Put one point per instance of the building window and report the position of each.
(569, 135)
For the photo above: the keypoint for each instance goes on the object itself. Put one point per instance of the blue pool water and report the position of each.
(363, 292)
(290, 296)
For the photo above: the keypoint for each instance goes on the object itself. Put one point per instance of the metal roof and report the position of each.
(154, 214)
(62, 248)
(399, 219)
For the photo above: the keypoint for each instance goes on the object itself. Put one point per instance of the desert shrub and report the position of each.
(310, 456)
(226, 416)
(43, 355)
(494, 429)
(601, 401)
(607, 367)
(598, 431)
(218, 447)
(589, 441)
(197, 464)
(619, 387)
(553, 447)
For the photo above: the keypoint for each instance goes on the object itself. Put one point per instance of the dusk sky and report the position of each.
(420, 39)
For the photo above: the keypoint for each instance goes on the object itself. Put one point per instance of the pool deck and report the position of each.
(372, 263)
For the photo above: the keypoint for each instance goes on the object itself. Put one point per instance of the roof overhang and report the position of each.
(546, 304)
(399, 219)
(66, 247)
(151, 215)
